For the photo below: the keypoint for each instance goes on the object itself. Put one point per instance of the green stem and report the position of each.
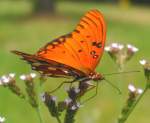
(39, 88)
(58, 120)
(39, 115)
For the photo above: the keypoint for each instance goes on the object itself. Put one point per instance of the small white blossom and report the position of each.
(78, 105)
(23, 77)
(143, 62)
(120, 46)
(12, 75)
(33, 75)
(114, 45)
(107, 48)
(132, 48)
(129, 46)
(5, 79)
(2, 119)
(131, 88)
(139, 91)
(74, 107)
(67, 101)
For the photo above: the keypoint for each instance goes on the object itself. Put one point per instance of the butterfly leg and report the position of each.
(96, 91)
(59, 86)
(79, 80)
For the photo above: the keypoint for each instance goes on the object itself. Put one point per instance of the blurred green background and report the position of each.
(25, 27)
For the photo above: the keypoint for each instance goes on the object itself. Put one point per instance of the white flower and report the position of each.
(132, 48)
(2, 119)
(139, 91)
(131, 88)
(23, 77)
(78, 105)
(143, 62)
(12, 75)
(67, 101)
(129, 46)
(74, 107)
(33, 75)
(107, 48)
(120, 46)
(114, 45)
(5, 79)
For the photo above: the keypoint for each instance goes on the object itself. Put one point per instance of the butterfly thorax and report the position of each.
(96, 76)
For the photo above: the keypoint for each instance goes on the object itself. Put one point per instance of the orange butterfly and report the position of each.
(75, 54)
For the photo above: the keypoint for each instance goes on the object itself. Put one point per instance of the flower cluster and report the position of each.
(133, 97)
(121, 54)
(71, 104)
(28, 77)
(10, 82)
(7, 79)
(30, 88)
(133, 91)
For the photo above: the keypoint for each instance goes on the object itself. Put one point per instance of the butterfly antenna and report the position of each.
(126, 72)
(114, 86)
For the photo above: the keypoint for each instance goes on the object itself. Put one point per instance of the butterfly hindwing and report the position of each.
(49, 67)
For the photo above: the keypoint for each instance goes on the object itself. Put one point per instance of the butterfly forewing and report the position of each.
(94, 22)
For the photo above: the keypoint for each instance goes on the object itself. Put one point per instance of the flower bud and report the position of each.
(146, 66)
(30, 88)
(50, 102)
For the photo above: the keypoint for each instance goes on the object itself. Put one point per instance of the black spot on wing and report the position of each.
(97, 44)
(79, 50)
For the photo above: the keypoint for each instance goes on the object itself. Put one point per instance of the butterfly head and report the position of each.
(96, 76)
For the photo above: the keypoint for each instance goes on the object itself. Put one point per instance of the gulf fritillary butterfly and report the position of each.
(75, 54)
